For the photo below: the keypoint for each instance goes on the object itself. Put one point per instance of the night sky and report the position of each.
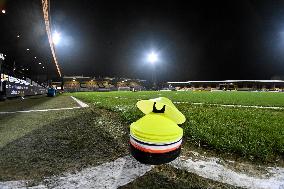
(195, 40)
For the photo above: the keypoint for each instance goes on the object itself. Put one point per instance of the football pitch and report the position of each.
(43, 137)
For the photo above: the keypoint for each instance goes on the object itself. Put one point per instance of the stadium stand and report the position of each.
(238, 85)
(81, 83)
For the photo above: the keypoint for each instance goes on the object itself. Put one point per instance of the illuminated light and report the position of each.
(18, 36)
(39, 63)
(3, 11)
(56, 37)
(5, 55)
(27, 69)
(152, 57)
(23, 69)
(28, 49)
(35, 57)
(73, 80)
(43, 67)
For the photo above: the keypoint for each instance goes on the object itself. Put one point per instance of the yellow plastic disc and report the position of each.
(146, 106)
(156, 128)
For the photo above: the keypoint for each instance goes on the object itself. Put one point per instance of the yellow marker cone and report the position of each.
(156, 138)
(146, 106)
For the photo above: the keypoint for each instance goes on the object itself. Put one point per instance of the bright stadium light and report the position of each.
(56, 37)
(152, 57)
(3, 11)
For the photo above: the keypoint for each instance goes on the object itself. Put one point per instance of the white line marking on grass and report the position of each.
(126, 169)
(82, 104)
(211, 168)
(222, 105)
(108, 175)
(233, 105)
(44, 110)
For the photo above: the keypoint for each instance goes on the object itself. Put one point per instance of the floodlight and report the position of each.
(152, 57)
(56, 37)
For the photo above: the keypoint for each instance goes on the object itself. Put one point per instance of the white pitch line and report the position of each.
(44, 110)
(232, 105)
(126, 169)
(222, 105)
(82, 104)
(109, 175)
(211, 168)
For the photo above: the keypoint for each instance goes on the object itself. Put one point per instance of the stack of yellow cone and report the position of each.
(156, 138)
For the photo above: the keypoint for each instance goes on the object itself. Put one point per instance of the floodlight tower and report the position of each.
(152, 59)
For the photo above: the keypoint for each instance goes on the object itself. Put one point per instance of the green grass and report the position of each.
(58, 143)
(42, 144)
(17, 125)
(255, 134)
(239, 98)
(36, 103)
